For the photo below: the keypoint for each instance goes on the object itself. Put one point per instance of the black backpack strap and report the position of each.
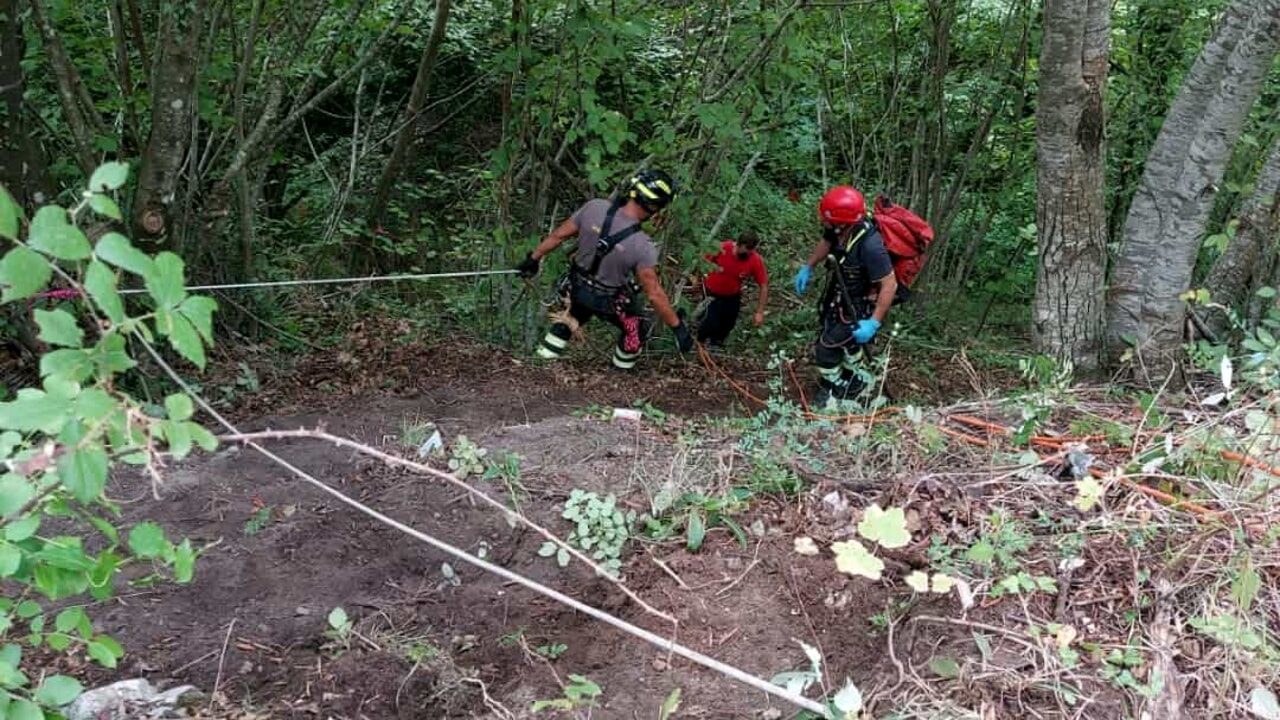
(608, 242)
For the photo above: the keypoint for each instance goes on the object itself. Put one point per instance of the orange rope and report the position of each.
(1246, 460)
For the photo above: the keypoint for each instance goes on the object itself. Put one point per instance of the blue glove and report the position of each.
(802, 279)
(865, 330)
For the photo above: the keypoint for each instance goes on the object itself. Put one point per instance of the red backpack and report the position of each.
(906, 236)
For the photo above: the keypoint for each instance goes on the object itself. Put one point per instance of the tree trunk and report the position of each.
(1071, 211)
(80, 115)
(1236, 271)
(1162, 233)
(173, 92)
(408, 123)
(23, 170)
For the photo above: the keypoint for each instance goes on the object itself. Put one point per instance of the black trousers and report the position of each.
(722, 316)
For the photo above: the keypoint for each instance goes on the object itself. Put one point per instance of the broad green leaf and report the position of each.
(10, 215)
(849, 700)
(11, 676)
(147, 541)
(34, 410)
(917, 581)
(10, 559)
(1088, 492)
(52, 233)
(84, 472)
(199, 310)
(1244, 590)
(58, 690)
(28, 609)
(114, 357)
(886, 527)
(116, 249)
(22, 528)
(58, 327)
(15, 492)
(202, 437)
(100, 281)
(164, 281)
(944, 667)
(95, 404)
(186, 341)
(23, 273)
(1266, 293)
(852, 558)
(338, 619)
(179, 438)
(981, 552)
(73, 365)
(179, 407)
(109, 176)
(184, 562)
(69, 620)
(25, 710)
(670, 706)
(104, 205)
(548, 549)
(65, 552)
(102, 654)
(696, 531)
(58, 641)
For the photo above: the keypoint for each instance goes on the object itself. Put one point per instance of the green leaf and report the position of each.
(94, 404)
(164, 281)
(670, 706)
(109, 176)
(199, 310)
(102, 654)
(1246, 586)
(338, 619)
(1266, 293)
(852, 558)
(22, 528)
(58, 690)
(886, 527)
(15, 492)
(116, 249)
(114, 357)
(186, 341)
(10, 675)
(72, 365)
(696, 531)
(981, 552)
(179, 407)
(548, 549)
(84, 472)
(10, 559)
(179, 438)
(944, 667)
(100, 281)
(104, 205)
(25, 710)
(58, 327)
(10, 216)
(28, 609)
(52, 233)
(23, 273)
(202, 437)
(70, 619)
(184, 563)
(147, 541)
(34, 410)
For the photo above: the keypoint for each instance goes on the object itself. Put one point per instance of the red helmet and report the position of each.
(842, 205)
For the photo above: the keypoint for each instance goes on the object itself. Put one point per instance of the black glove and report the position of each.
(683, 339)
(528, 267)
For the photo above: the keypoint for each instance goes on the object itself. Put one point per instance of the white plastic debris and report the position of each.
(434, 443)
(626, 414)
(131, 699)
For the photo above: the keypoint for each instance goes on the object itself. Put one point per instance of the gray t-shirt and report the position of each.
(635, 252)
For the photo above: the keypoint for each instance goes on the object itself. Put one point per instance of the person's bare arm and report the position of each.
(566, 230)
(648, 279)
(764, 297)
(884, 298)
(820, 253)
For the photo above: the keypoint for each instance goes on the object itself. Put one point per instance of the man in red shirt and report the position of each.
(737, 261)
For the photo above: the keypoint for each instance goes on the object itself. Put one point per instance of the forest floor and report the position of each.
(430, 641)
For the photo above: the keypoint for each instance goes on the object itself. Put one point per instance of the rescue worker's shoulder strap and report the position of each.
(854, 239)
(607, 243)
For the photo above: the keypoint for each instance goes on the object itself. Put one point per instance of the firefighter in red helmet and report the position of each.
(859, 292)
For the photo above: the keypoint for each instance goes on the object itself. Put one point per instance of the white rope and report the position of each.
(337, 281)
(661, 642)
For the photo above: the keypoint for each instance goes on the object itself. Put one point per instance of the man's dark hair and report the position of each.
(749, 240)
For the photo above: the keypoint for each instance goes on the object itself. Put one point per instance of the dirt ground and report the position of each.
(252, 625)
